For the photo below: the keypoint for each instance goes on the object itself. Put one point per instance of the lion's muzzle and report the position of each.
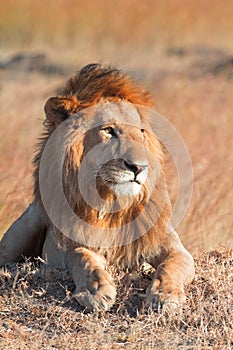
(135, 168)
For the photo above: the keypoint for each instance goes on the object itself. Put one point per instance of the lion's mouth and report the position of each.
(123, 182)
(128, 188)
(138, 182)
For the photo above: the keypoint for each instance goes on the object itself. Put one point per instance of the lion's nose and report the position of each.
(135, 168)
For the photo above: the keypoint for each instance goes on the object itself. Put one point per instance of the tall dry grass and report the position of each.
(121, 31)
(172, 47)
(201, 110)
(21, 100)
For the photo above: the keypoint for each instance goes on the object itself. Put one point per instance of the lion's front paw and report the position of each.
(159, 298)
(99, 294)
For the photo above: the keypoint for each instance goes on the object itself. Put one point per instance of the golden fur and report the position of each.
(97, 86)
(93, 85)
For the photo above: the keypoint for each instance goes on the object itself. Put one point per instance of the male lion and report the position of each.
(112, 175)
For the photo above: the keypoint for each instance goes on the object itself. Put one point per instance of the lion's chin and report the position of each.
(126, 189)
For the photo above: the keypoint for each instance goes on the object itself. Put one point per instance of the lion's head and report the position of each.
(113, 164)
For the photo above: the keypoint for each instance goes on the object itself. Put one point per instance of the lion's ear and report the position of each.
(58, 109)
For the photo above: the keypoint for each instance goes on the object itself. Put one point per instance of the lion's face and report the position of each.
(126, 171)
(113, 159)
(116, 156)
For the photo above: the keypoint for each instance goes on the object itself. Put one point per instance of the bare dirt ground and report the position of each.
(183, 53)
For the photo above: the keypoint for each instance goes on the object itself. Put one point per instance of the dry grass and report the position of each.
(38, 313)
(22, 99)
(123, 31)
(201, 110)
(182, 52)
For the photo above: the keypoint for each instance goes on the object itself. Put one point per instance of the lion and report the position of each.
(119, 203)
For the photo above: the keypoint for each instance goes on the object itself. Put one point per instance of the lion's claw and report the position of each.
(99, 301)
(166, 301)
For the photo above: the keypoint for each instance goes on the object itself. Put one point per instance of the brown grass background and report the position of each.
(180, 50)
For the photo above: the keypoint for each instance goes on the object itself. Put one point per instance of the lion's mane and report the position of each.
(93, 85)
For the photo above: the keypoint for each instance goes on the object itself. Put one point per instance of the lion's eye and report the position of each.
(142, 130)
(109, 130)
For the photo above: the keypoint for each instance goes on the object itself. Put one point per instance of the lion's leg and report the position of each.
(53, 252)
(167, 286)
(24, 237)
(95, 288)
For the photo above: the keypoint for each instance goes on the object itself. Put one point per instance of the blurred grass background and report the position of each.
(79, 31)
(180, 50)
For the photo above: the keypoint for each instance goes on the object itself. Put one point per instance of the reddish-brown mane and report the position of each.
(95, 83)
(92, 85)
